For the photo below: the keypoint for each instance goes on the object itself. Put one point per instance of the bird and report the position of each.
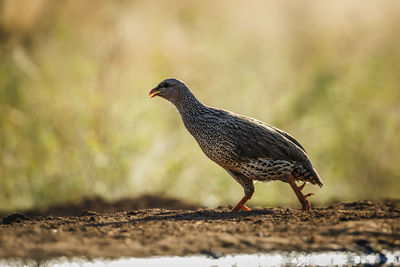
(248, 149)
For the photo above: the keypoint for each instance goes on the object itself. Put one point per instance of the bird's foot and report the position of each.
(306, 205)
(308, 195)
(244, 207)
(302, 186)
(241, 205)
(302, 198)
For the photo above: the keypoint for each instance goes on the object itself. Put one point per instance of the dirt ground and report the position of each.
(135, 227)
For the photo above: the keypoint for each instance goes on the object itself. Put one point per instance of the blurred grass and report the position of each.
(76, 120)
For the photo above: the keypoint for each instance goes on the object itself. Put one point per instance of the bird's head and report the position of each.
(170, 89)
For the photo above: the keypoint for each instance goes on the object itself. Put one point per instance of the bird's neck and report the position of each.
(189, 106)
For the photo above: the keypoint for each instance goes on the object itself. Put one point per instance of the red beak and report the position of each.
(154, 92)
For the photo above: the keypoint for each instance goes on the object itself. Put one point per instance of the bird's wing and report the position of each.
(256, 139)
(291, 138)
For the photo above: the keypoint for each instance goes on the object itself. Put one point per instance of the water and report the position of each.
(267, 259)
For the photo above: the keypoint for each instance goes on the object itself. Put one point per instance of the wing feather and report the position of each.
(256, 139)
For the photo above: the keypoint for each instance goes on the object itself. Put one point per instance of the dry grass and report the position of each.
(75, 118)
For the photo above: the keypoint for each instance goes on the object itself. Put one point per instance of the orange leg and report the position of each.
(302, 186)
(240, 205)
(302, 198)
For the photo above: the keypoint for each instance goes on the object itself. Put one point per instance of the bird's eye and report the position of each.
(166, 85)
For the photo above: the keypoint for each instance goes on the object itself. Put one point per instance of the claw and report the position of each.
(241, 205)
(308, 195)
(244, 207)
(302, 198)
(306, 206)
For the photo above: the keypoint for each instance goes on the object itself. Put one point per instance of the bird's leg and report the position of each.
(248, 186)
(241, 205)
(302, 186)
(301, 189)
(302, 198)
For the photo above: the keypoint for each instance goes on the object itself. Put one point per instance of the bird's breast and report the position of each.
(215, 142)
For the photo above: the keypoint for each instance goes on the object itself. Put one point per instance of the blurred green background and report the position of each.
(76, 119)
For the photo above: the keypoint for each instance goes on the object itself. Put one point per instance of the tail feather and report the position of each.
(315, 179)
(306, 172)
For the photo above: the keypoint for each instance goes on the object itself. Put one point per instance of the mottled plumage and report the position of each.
(250, 150)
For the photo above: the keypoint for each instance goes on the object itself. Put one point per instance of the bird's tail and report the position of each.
(306, 172)
(316, 179)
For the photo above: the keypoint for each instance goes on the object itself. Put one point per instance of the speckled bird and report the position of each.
(248, 149)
